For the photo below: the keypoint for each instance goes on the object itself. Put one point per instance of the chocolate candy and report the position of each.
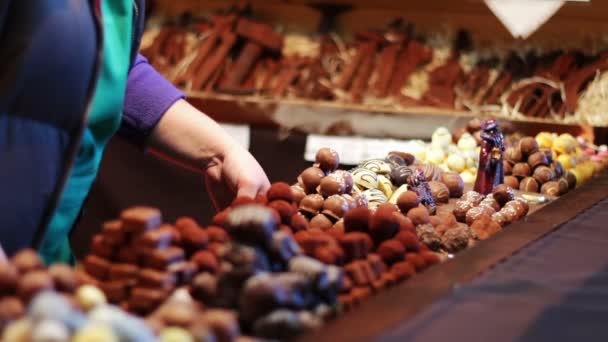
(391, 251)
(528, 184)
(473, 197)
(161, 259)
(419, 215)
(377, 165)
(333, 184)
(374, 197)
(144, 300)
(64, 277)
(489, 201)
(503, 194)
(461, 207)
(537, 159)
(280, 191)
(97, 267)
(252, 224)
(476, 212)
(310, 179)
(204, 288)
(284, 209)
(550, 188)
(521, 170)
(562, 185)
(335, 207)
(284, 247)
(152, 278)
(357, 219)
(101, 248)
(395, 160)
(327, 159)
(431, 172)
(192, 235)
(456, 239)
(528, 146)
(408, 200)
(298, 193)
(115, 291)
(385, 185)
(403, 270)
(512, 181)
(321, 221)
(113, 232)
(8, 279)
(484, 228)
(184, 271)
(126, 254)
(298, 223)
(507, 167)
(356, 245)
(454, 183)
(311, 204)
(428, 236)
(557, 169)
(384, 224)
(206, 261)
(140, 219)
(400, 175)
(364, 178)
(407, 157)
(543, 174)
(439, 191)
(158, 238)
(513, 154)
(27, 260)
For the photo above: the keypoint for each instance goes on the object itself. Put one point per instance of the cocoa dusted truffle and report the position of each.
(408, 240)
(357, 219)
(521, 170)
(310, 179)
(391, 251)
(528, 184)
(327, 159)
(528, 145)
(550, 188)
(537, 159)
(311, 204)
(503, 194)
(543, 174)
(384, 224)
(408, 200)
(335, 206)
(512, 181)
(403, 270)
(439, 191)
(456, 239)
(279, 191)
(419, 215)
(454, 183)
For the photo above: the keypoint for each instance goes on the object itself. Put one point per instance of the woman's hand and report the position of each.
(192, 139)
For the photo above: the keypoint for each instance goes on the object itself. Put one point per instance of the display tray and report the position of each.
(383, 313)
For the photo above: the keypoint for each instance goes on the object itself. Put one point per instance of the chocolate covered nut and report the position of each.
(391, 251)
(297, 193)
(97, 267)
(224, 324)
(521, 170)
(364, 178)
(346, 178)
(280, 191)
(252, 224)
(204, 288)
(439, 191)
(543, 174)
(489, 201)
(151, 278)
(183, 271)
(428, 236)
(513, 154)
(116, 291)
(550, 188)
(528, 145)
(113, 232)
(403, 270)
(512, 181)
(528, 184)
(327, 159)
(311, 204)
(101, 248)
(33, 282)
(356, 245)
(503, 193)
(321, 222)
(64, 278)
(520, 205)
(161, 259)
(158, 238)
(140, 219)
(500, 218)
(537, 159)
(310, 179)
(27, 260)
(461, 207)
(333, 184)
(419, 215)
(357, 219)
(8, 279)
(408, 200)
(335, 206)
(206, 261)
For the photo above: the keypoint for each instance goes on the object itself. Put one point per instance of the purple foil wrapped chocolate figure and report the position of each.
(490, 171)
(417, 182)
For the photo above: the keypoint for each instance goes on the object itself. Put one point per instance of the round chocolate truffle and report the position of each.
(419, 215)
(528, 184)
(400, 175)
(407, 201)
(537, 159)
(347, 177)
(503, 194)
(297, 191)
(461, 207)
(395, 160)
(454, 183)
(332, 185)
(321, 221)
(279, 191)
(327, 159)
(440, 191)
(407, 157)
(311, 204)
(528, 145)
(521, 170)
(476, 212)
(391, 251)
(507, 167)
(473, 197)
(543, 174)
(513, 154)
(571, 179)
(310, 178)
(563, 185)
(512, 181)
(335, 206)
(489, 201)
(550, 188)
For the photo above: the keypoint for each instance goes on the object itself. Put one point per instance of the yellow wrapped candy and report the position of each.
(565, 143)
(567, 161)
(544, 140)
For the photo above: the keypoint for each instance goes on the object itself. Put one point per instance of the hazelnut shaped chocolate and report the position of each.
(311, 204)
(551, 188)
(528, 146)
(513, 154)
(537, 159)
(310, 179)
(408, 200)
(503, 194)
(333, 184)
(454, 183)
(521, 170)
(327, 159)
(512, 181)
(439, 191)
(528, 184)
(543, 174)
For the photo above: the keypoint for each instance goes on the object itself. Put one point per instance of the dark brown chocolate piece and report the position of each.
(101, 248)
(161, 259)
(252, 224)
(158, 238)
(123, 271)
(152, 278)
(97, 267)
(503, 194)
(310, 179)
(138, 220)
(454, 183)
(537, 159)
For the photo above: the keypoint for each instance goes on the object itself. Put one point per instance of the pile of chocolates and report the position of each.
(395, 67)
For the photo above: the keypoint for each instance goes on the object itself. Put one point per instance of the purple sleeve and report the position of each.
(147, 98)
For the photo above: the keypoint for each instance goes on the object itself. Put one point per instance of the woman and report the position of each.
(42, 117)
